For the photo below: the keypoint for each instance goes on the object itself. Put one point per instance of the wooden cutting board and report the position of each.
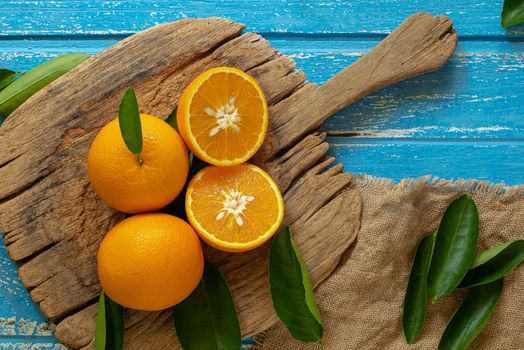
(53, 221)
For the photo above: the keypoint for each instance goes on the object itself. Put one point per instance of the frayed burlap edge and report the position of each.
(472, 186)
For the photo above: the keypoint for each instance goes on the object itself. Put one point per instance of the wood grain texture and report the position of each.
(57, 242)
(471, 18)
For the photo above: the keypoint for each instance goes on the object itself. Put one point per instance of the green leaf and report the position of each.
(7, 77)
(455, 245)
(494, 263)
(416, 300)
(171, 119)
(471, 316)
(21, 89)
(512, 12)
(109, 331)
(129, 120)
(291, 290)
(207, 319)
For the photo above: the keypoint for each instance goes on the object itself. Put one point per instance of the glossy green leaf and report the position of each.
(109, 331)
(416, 300)
(207, 319)
(171, 119)
(7, 77)
(494, 263)
(291, 290)
(455, 246)
(21, 89)
(471, 316)
(512, 12)
(129, 121)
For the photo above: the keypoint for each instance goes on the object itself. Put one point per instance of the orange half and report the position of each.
(222, 116)
(235, 208)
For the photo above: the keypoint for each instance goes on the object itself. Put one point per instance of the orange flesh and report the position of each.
(260, 218)
(216, 92)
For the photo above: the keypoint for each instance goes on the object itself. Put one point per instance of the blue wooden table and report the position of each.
(464, 121)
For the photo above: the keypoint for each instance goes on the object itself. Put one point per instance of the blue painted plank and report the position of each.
(26, 54)
(478, 94)
(22, 17)
(490, 160)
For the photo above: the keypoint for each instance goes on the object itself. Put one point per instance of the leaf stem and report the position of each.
(140, 160)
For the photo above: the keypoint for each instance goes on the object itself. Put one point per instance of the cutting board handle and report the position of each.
(421, 44)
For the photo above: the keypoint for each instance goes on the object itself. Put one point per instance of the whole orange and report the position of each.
(125, 184)
(150, 261)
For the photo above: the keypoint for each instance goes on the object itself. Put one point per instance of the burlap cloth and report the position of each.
(361, 302)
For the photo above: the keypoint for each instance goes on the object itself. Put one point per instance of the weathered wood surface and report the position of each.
(53, 221)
